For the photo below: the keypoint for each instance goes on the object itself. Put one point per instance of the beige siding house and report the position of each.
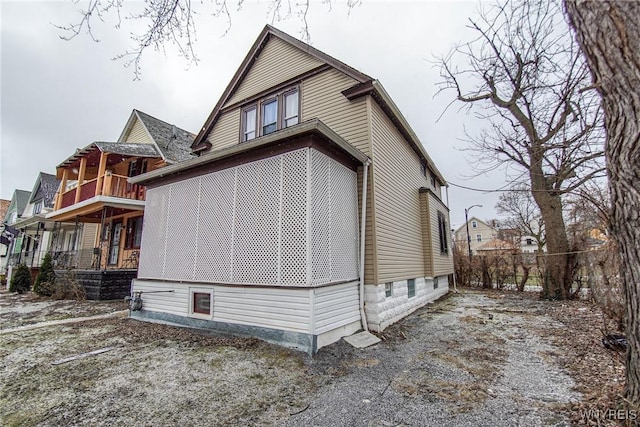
(479, 233)
(265, 233)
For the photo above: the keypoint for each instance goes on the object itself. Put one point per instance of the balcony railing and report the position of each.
(110, 185)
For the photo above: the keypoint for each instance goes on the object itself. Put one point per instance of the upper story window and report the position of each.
(474, 224)
(249, 123)
(276, 112)
(479, 237)
(269, 116)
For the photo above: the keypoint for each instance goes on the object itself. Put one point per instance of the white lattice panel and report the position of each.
(182, 218)
(344, 222)
(252, 225)
(293, 232)
(321, 219)
(214, 244)
(256, 222)
(154, 233)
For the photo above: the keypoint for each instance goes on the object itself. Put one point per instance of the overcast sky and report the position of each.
(61, 95)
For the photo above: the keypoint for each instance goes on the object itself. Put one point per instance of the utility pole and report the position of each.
(466, 219)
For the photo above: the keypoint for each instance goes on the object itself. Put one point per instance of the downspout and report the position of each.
(455, 285)
(363, 222)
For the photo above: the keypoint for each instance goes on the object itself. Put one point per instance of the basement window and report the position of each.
(411, 288)
(435, 283)
(201, 303)
(388, 289)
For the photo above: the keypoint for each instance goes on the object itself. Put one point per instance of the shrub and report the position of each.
(21, 281)
(45, 275)
(66, 287)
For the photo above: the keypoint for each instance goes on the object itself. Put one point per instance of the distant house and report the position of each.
(35, 232)
(312, 211)
(12, 213)
(95, 200)
(479, 233)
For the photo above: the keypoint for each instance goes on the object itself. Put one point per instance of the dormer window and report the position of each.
(277, 111)
(37, 207)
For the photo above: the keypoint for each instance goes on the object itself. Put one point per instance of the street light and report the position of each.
(466, 220)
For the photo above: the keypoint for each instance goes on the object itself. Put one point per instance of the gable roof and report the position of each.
(18, 202)
(173, 143)
(46, 185)
(122, 148)
(473, 218)
(366, 86)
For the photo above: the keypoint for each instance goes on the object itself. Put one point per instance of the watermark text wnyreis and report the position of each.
(609, 414)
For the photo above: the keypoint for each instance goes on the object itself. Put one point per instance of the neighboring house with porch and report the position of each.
(96, 200)
(18, 202)
(34, 240)
(264, 233)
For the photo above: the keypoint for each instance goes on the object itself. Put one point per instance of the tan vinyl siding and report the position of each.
(427, 233)
(322, 98)
(226, 131)
(442, 263)
(138, 134)
(370, 271)
(278, 62)
(397, 178)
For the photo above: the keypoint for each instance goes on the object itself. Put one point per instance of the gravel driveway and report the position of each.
(471, 359)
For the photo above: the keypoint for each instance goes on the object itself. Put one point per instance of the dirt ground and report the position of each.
(474, 358)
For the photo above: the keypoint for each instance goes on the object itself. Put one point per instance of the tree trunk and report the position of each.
(557, 278)
(609, 35)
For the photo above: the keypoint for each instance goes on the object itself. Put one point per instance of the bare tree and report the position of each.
(526, 78)
(173, 22)
(522, 214)
(609, 35)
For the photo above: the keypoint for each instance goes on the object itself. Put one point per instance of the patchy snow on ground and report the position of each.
(477, 358)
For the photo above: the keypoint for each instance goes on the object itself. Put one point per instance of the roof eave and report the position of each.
(314, 125)
(380, 95)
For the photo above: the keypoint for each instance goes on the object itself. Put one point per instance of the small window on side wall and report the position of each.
(442, 234)
(202, 303)
(388, 289)
(411, 288)
(435, 283)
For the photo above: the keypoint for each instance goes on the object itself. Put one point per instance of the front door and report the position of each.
(114, 244)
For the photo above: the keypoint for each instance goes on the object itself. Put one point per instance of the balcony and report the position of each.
(108, 185)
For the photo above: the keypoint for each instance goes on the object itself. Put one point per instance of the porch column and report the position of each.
(83, 168)
(102, 166)
(62, 189)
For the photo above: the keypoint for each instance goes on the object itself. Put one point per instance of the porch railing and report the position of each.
(110, 185)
